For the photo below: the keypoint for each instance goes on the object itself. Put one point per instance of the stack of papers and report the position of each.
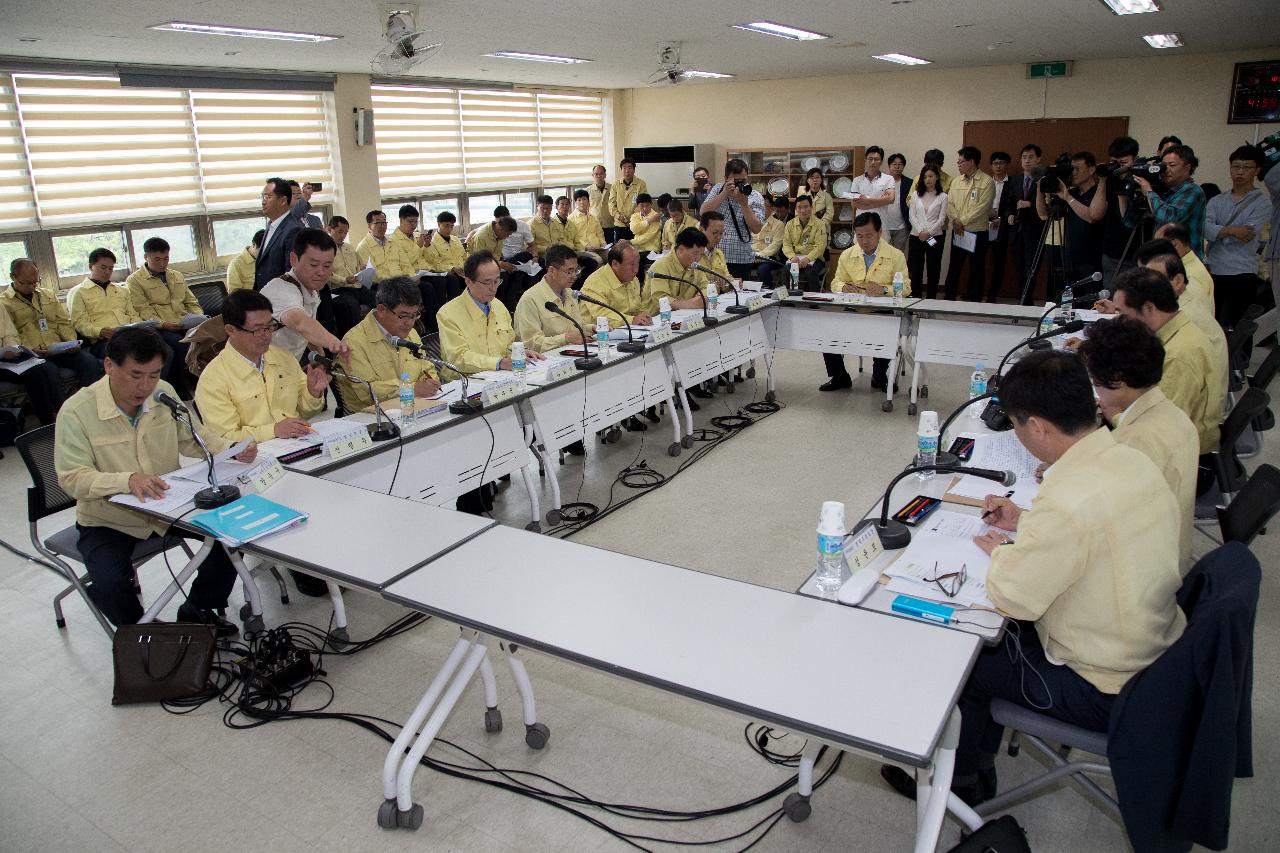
(247, 519)
(63, 346)
(942, 546)
(180, 492)
(23, 365)
(1002, 452)
(225, 468)
(142, 324)
(529, 268)
(334, 429)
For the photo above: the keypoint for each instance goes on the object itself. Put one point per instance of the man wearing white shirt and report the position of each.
(282, 227)
(295, 296)
(877, 192)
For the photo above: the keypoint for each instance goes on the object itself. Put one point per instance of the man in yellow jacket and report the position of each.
(374, 356)
(445, 253)
(674, 277)
(623, 195)
(253, 389)
(645, 224)
(766, 244)
(677, 221)
(867, 267)
(160, 293)
(42, 322)
(373, 248)
(804, 244)
(99, 306)
(540, 329)
(243, 268)
(616, 285)
(475, 329)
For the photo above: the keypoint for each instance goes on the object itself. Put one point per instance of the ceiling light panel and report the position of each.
(1163, 40)
(1132, 7)
(769, 28)
(710, 75)
(901, 59)
(537, 57)
(242, 32)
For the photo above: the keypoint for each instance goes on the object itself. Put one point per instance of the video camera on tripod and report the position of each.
(1152, 168)
(1056, 174)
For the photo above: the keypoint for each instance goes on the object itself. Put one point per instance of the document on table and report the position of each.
(539, 370)
(453, 390)
(225, 467)
(967, 241)
(63, 346)
(1002, 452)
(365, 276)
(321, 431)
(530, 268)
(639, 333)
(944, 545)
(180, 492)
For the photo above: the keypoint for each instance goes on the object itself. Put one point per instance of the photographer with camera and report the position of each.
(1068, 195)
(1123, 215)
(701, 188)
(1182, 200)
(743, 210)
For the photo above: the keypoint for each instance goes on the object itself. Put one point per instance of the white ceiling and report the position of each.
(621, 35)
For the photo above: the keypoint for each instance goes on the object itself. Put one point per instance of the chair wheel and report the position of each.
(387, 814)
(912, 409)
(673, 449)
(555, 516)
(492, 720)
(534, 527)
(797, 808)
(924, 391)
(339, 638)
(284, 598)
(412, 819)
(245, 611)
(751, 373)
(254, 625)
(686, 441)
(770, 397)
(62, 623)
(536, 735)
(886, 406)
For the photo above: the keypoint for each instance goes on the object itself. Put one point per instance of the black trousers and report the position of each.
(43, 386)
(1233, 294)
(999, 248)
(834, 362)
(107, 554)
(1003, 673)
(975, 263)
(813, 278)
(348, 306)
(923, 258)
(177, 370)
(87, 369)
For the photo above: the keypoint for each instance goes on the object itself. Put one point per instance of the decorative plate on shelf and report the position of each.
(846, 213)
(838, 163)
(841, 187)
(773, 166)
(809, 163)
(842, 239)
(779, 186)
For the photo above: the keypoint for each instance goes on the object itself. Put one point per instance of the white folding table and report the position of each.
(830, 674)
(695, 357)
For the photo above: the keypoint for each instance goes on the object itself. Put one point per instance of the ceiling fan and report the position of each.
(407, 46)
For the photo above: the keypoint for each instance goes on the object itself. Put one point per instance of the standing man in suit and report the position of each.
(897, 163)
(999, 230)
(282, 227)
(1027, 228)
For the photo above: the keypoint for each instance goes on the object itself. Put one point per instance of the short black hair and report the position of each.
(577, 194)
(1248, 152)
(1123, 351)
(371, 215)
(690, 238)
(508, 223)
(408, 211)
(155, 244)
(240, 302)
(445, 216)
(710, 216)
(336, 220)
(781, 201)
(896, 156)
(561, 198)
(396, 291)
(934, 155)
(1143, 285)
(1176, 231)
(313, 238)
(1186, 155)
(971, 153)
(258, 237)
(674, 205)
(805, 197)
(1171, 265)
(867, 217)
(1153, 248)
(280, 188)
(734, 166)
(544, 199)
(501, 211)
(644, 198)
(662, 201)
(1085, 157)
(558, 254)
(1032, 147)
(874, 149)
(142, 345)
(999, 157)
(626, 160)
(476, 260)
(1164, 140)
(1123, 146)
(1053, 386)
(100, 253)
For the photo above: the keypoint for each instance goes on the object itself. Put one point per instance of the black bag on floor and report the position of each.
(1002, 835)
(161, 660)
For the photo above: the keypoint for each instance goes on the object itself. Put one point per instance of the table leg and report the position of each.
(887, 405)
(933, 788)
(534, 512)
(535, 733)
(674, 448)
(338, 637)
(251, 612)
(492, 716)
(681, 397)
(172, 589)
(797, 806)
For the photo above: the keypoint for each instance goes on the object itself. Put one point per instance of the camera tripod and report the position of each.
(1056, 216)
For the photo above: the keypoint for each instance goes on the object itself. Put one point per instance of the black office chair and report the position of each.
(1229, 472)
(44, 498)
(211, 295)
(1261, 379)
(1255, 505)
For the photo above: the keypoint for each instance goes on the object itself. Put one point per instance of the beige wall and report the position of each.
(356, 166)
(912, 110)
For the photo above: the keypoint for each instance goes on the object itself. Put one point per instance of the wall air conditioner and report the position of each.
(669, 168)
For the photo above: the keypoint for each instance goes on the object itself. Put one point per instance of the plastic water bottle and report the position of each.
(899, 288)
(795, 276)
(518, 362)
(1066, 311)
(664, 310)
(977, 387)
(406, 399)
(713, 297)
(602, 336)
(927, 443)
(830, 571)
(1046, 322)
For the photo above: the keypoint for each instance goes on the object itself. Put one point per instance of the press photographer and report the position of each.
(1068, 197)
(1124, 212)
(1183, 200)
(743, 211)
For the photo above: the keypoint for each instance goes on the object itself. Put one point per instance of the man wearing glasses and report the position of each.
(253, 389)
(535, 325)
(475, 329)
(374, 355)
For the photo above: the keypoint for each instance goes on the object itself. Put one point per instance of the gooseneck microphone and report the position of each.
(587, 361)
(707, 319)
(458, 407)
(737, 307)
(630, 345)
(215, 495)
(894, 534)
(378, 430)
(1069, 328)
(1086, 300)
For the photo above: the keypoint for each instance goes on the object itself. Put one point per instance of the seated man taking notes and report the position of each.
(112, 438)
(540, 329)
(475, 329)
(1091, 579)
(673, 275)
(374, 355)
(615, 284)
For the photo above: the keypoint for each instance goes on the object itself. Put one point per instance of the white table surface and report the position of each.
(850, 677)
(975, 310)
(357, 537)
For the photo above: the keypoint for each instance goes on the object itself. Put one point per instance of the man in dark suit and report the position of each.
(897, 163)
(282, 227)
(1000, 230)
(1027, 225)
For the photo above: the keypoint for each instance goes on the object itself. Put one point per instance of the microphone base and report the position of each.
(590, 363)
(737, 309)
(216, 496)
(1039, 345)
(385, 432)
(465, 407)
(794, 291)
(893, 535)
(946, 458)
(709, 320)
(631, 346)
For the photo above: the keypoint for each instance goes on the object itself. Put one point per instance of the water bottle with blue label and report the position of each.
(406, 399)
(713, 297)
(602, 337)
(927, 443)
(977, 387)
(519, 364)
(899, 288)
(795, 276)
(664, 311)
(830, 572)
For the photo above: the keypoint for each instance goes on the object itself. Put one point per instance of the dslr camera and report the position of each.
(744, 187)
(1056, 174)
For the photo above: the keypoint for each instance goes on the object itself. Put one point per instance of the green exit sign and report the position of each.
(1038, 70)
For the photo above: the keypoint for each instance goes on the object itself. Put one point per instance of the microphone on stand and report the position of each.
(1088, 299)
(630, 345)
(894, 534)
(707, 319)
(587, 361)
(378, 431)
(215, 495)
(458, 407)
(1069, 328)
(737, 307)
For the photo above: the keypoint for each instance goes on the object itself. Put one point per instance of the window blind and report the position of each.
(571, 131)
(418, 134)
(499, 139)
(17, 204)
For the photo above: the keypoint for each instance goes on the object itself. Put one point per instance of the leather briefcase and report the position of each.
(161, 660)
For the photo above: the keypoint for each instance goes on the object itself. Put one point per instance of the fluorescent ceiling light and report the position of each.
(241, 32)
(1162, 40)
(769, 28)
(901, 59)
(710, 75)
(537, 57)
(1132, 7)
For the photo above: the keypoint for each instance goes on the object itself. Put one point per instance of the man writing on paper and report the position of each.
(804, 245)
(712, 224)
(615, 284)
(1126, 362)
(540, 329)
(1192, 301)
(1092, 577)
(868, 267)
(42, 322)
(475, 329)
(113, 439)
(687, 290)
(374, 355)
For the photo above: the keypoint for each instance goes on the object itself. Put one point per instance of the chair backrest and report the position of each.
(1266, 371)
(1252, 403)
(1240, 344)
(1256, 504)
(45, 496)
(211, 295)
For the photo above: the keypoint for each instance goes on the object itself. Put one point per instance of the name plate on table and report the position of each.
(560, 371)
(693, 324)
(862, 548)
(496, 392)
(755, 303)
(263, 476)
(345, 445)
(661, 336)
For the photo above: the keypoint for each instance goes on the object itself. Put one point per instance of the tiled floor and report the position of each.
(78, 774)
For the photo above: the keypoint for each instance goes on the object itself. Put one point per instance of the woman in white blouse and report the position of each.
(928, 214)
